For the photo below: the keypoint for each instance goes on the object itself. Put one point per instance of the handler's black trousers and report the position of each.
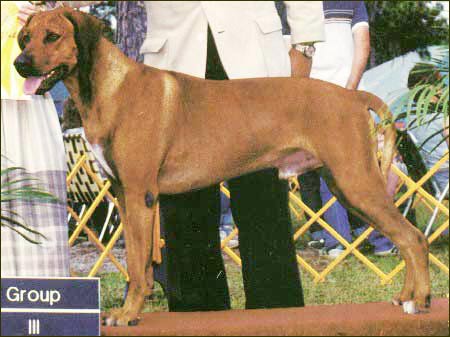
(259, 202)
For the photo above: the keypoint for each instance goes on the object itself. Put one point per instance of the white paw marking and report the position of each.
(109, 321)
(409, 307)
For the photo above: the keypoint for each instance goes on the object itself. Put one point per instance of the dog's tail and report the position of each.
(386, 127)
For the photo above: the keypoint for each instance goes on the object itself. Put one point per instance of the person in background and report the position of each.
(341, 59)
(207, 39)
(226, 221)
(30, 138)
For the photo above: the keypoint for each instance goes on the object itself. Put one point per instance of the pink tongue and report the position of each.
(32, 84)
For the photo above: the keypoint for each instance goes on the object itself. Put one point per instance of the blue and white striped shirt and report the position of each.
(351, 12)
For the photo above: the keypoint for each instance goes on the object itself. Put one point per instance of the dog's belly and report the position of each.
(296, 163)
(289, 165)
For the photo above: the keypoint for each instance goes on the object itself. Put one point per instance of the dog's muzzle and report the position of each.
(38, 83)
(24, 65)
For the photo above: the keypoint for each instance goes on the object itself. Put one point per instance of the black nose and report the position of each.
(24, 65)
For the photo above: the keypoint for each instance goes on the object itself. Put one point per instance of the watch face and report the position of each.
(309, 51)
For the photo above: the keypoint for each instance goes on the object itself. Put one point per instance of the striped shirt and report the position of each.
(351, 12)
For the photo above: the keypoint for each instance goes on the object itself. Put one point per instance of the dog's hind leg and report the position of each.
(139, 215)
(362, 191)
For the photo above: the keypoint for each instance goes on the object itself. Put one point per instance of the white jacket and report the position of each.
(247, 34)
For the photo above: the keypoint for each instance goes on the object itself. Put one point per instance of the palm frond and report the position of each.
(22, 187)
(28, 193)
(21, 234)
(7, 219)
(428, 100)
(5, 185)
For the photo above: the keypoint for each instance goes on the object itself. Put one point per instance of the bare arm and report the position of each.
(361, 38)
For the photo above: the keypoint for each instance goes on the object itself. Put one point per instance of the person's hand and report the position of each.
(300, 64)
(26, 10)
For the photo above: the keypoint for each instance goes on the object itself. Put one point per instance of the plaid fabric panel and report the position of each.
(31, 138)
(51, 257)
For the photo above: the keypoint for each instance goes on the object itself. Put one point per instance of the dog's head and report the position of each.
(57, 44)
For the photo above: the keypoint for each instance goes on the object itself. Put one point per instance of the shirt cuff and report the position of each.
(360, 24)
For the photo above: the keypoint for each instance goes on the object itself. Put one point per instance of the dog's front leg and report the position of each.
(139, 214)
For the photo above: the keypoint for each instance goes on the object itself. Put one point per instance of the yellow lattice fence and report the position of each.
(299, 209)
(81, 221)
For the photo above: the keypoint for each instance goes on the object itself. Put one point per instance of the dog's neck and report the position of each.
(109, 70)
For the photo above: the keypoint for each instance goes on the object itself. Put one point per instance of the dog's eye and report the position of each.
(51, 37)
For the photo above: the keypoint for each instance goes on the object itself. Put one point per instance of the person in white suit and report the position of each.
(247, 35)
(223, 40)
(228, 40)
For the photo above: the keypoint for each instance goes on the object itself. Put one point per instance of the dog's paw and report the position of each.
(118, 317)
(413, 304)
(410, 307)
(416, 307)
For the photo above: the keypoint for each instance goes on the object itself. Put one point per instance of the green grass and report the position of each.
(349, 282)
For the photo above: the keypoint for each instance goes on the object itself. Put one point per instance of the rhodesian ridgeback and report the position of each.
(167, 132)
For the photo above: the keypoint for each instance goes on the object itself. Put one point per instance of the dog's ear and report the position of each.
(21, 32)
(87, 33)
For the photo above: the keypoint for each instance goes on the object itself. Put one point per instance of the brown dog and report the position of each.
(166, 132)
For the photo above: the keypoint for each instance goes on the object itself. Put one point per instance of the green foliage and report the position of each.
(398, 27)
(350, 282)
(428, 95)
(22, 187)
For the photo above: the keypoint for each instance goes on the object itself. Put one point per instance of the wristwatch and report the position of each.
(306, 49)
